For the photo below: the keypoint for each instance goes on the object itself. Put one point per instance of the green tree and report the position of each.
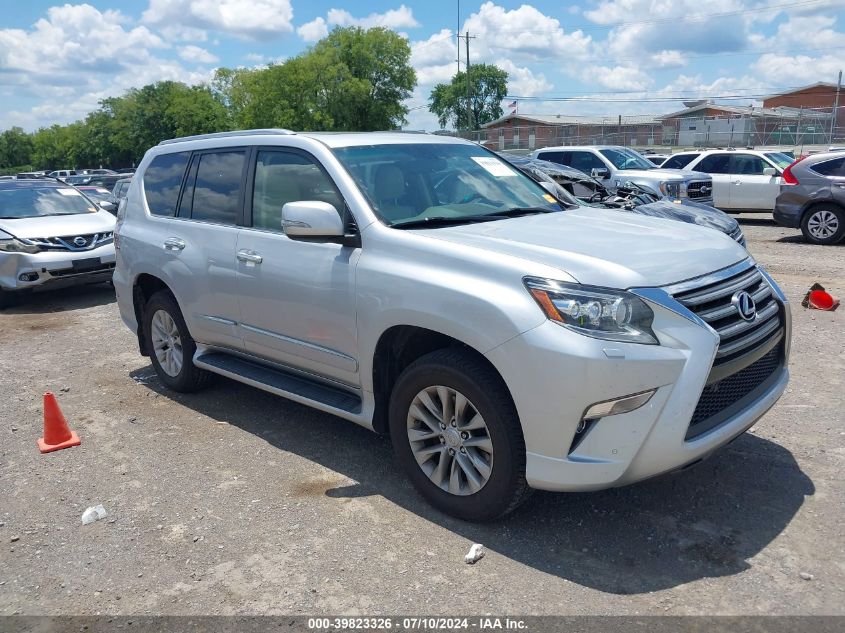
(488, 86)
(15, 148)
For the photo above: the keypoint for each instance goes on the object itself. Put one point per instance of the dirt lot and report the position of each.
(233, 501)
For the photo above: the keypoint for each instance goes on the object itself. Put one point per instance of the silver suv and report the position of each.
(421, 286)
(615, 166)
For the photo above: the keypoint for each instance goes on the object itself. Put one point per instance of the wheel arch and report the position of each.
(398, 347)
(145, 286)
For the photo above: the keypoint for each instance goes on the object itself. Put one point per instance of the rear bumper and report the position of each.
(55, 269)
(788, 212)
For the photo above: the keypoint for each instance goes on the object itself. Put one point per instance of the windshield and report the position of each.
(779, 159)
(624, 158)
(408, 183)
(33, 202)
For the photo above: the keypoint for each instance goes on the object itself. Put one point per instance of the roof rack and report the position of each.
(202, 137)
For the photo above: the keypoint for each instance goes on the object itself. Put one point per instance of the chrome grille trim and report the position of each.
(710, 298)
(65, 243)
(751, 277)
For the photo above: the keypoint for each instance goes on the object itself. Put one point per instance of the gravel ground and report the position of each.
(233, 501)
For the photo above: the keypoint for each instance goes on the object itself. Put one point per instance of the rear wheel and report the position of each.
(456, 433)
(823, 224)
(170, 345)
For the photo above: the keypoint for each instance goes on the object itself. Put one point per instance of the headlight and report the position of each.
(613, 315)
(672, 189)
(9, 244)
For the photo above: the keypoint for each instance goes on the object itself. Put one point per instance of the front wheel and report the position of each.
(170, 345)
(456, 433)
(823, 224)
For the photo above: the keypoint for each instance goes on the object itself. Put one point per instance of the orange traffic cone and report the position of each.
(57, 435)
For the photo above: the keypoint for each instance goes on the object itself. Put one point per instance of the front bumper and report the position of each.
(572, 372)
(55, 269)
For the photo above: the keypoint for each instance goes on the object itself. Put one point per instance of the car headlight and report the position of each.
(605, 313)
(9, 244)
(672, 189)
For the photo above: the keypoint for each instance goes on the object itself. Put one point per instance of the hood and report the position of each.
(660, 174)
(699, 214)
(60, 225)
(603, 248)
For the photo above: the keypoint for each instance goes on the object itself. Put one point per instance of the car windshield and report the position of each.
(781, 160)
(33, 202)
(410, 183)
(624, 158)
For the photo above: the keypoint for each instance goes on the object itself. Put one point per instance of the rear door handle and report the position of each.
(174, 244)
(249, 257)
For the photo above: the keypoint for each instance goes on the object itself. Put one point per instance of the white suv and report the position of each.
(743, 179)
(423, 287)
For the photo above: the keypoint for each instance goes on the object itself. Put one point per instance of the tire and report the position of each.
(823, 224)
(459, 373)
(6, 299)
(178, 374)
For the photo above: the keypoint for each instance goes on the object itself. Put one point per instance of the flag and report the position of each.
(512, 104)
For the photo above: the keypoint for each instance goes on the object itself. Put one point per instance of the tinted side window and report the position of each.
(162, 181)
(562, 158)
(835, 167)
(282, 177)
(715, 164)
(747, 165)
(678, 162)
(586, 162)
(217, 188)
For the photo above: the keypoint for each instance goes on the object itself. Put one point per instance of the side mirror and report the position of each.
(770, 171)
(311, 219)
(600, 172)
(105, 205)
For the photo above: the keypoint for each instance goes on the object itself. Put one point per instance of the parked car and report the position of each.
(812, 197)
(126, 171)
(635, 198)
(421, 286)
(118, 193)
(105, 181)
(51, 236)
(31, 175)
(101, 196)
(614, 166)
(61, 174)
(97, 172)
(743, 180)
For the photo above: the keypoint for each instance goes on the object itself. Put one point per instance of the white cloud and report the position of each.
(617, 77)
(797, 70)
(256, 19)
(197, 55)
(400, 18)
(523, 34)
(314, 30)
(523, 81)
(318, 28)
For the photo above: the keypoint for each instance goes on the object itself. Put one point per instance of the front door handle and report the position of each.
(249, 257)
(174, 244)
(737, 182)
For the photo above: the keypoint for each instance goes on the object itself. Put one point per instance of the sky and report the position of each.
(590, 58)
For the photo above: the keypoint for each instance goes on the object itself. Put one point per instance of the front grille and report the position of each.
(715, 302)
(699, 189)
(720, 395)
(72, 242)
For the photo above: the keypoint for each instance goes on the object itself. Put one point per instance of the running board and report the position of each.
(281, 383)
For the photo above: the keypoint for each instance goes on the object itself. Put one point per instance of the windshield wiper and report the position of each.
(435, 222)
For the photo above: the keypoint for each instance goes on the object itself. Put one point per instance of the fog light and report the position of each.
(28, 276)
(620, 405)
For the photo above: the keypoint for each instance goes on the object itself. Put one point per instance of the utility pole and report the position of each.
(470, 125)
(458, 34)
(835, 107)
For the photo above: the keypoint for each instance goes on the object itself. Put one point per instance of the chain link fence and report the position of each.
(782, 127)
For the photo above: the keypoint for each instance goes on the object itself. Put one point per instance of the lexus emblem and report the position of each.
(705, 189)
(80, 241)
(744, 303)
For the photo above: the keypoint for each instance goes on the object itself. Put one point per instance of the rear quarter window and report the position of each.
(835, 167)
(163, 180)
